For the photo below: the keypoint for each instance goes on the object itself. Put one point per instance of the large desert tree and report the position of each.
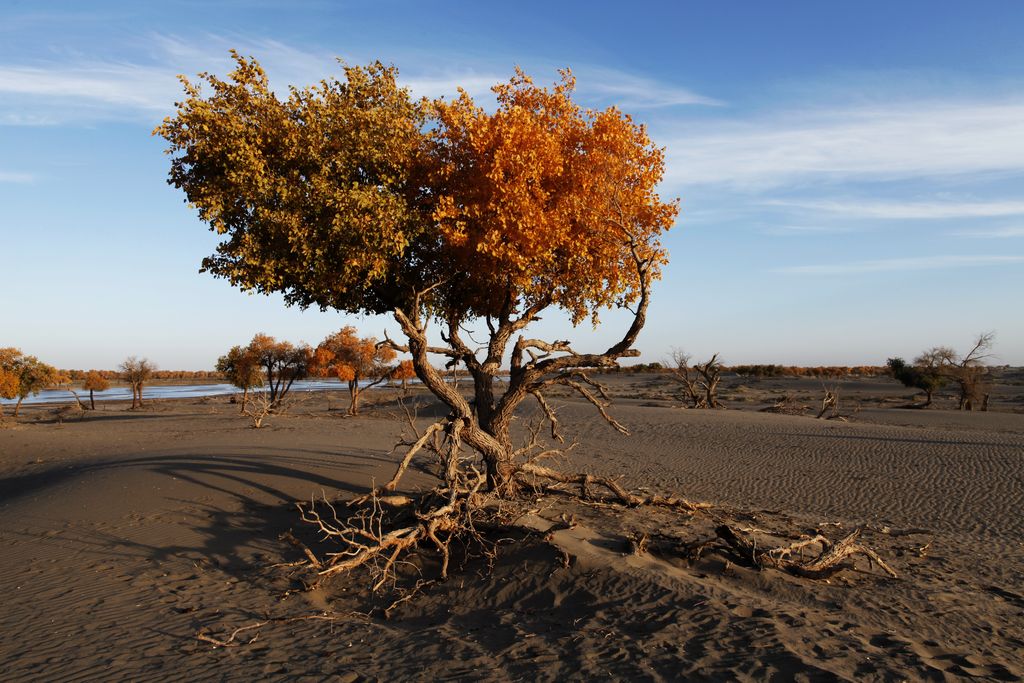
(351, 196)
(359, 361)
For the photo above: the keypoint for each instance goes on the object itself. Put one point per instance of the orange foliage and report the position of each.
(404, 371)
(94, 381)
(543, 200)
(352, 359)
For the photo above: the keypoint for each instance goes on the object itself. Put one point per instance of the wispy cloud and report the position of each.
(902, 141)
(907, 209)
(784, 230)
(53, 92)
(133, 86)
(632, 91)
(1015, 231)
(15, 177)
(902, 264)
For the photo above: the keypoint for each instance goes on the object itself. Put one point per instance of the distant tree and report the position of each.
(22, 376)
(282, 362)
(924, 374)
(136, 372)
(355, 360)
(241, 367)
(700, 380)
(404, 372)
(94, 381)
(968, 372)
(10, 381)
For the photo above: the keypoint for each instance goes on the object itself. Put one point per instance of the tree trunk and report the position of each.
(481, 429)
(245, 396)
(140, 394)
(17, 406)
(501, 469)
(92, 400)
(353, 397)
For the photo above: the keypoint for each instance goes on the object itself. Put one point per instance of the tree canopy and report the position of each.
(350, 195)
(21, 376)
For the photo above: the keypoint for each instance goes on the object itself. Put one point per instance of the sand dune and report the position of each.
(126, 533)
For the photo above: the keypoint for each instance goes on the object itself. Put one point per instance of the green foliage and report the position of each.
(922, 375)
(241, 367)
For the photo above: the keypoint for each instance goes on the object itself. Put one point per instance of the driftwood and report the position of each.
(827, 562)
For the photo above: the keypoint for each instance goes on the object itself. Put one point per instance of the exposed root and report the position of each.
(414, 448)
(364, 538)
(585, 481)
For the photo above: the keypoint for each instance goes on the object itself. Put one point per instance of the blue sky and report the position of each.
(850, 176)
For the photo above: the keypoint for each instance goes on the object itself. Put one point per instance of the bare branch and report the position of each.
(549, 413)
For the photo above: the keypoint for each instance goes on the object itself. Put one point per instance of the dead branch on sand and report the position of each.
(827, 562)
(233, 641)
(830, 404)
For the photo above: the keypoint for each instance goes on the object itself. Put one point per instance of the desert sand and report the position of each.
(127, 533)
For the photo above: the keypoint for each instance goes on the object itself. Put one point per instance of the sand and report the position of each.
(126, 533)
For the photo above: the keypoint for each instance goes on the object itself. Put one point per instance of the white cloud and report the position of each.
(805, 230)
(901, 264)
(1016, 231)
(902, 141)
(56, 92)
(907, 210)
(631, 91)
(15, 177)
(127, 85)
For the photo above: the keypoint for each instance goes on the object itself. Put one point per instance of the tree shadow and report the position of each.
(190, 468)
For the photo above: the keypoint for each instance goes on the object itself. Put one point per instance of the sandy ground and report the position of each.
(125, 533)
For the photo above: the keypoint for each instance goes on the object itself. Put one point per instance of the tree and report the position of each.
(702, 385)
(349, 195)
(355, 360)
(282, 362)
(136, 372)
(10, 382)
(94, 381)
(968, 372)
(22, 376)
(241, 367)
(403, 372)
(924, 375)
